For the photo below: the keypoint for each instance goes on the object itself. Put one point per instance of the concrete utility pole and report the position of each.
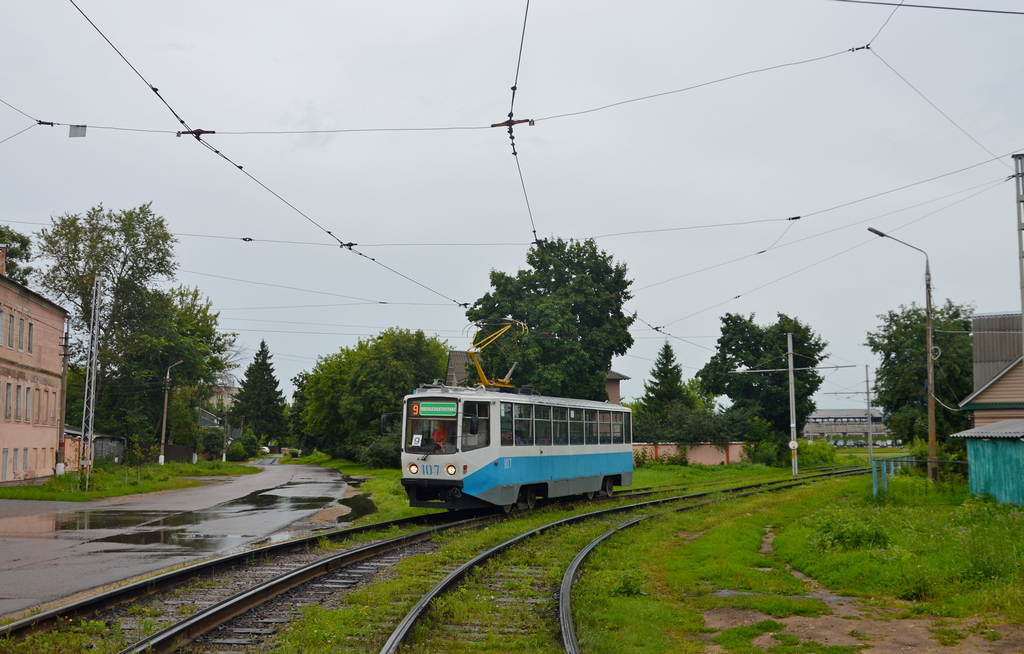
(792, 394)
(163, 428)
(59, 462)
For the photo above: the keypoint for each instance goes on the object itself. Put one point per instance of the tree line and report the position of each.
(571, 295)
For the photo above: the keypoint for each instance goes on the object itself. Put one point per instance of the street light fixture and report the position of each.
(163, 428)
(933, 466)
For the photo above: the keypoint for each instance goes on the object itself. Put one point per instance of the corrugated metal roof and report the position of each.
(1001, 429)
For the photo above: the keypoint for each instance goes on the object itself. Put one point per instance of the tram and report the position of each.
(481, 447)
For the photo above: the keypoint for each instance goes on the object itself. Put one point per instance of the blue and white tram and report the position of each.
(472, 447)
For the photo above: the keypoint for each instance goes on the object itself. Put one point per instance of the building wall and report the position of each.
(702, 453)
(30, 382)
(1009, 388)
(997, 468)
(986, 417)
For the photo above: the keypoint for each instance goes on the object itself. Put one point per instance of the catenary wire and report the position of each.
(197, 135)
(941, 112)
(909, 6)
(891, 14)
(695, 86)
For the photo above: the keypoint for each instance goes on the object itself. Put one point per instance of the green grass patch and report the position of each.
(950, 558)
(70, 637)
(115, 481)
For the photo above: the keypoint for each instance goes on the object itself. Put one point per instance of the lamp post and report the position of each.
(933, 466)
(163, 428)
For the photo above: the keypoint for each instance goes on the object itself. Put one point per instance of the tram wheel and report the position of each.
(507, 508)
(590, 495)
(607, 487)
(527, 499)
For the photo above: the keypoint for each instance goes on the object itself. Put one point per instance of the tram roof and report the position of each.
(481, 393)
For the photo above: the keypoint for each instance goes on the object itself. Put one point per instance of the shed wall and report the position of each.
(997, 468)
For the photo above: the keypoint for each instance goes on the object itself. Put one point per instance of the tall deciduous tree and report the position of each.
(900, 381)
(571, 297)
(260, 401)
(19, 253)
(743, 344)
(346, 393)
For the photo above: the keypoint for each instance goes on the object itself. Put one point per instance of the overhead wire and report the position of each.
(198, 133)
(910, 6)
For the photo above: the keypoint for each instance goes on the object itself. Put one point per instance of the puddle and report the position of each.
(360, 504)
(106, 519)
(177, 537)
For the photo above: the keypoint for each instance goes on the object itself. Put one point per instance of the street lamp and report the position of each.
(163, 429)
(933, 466)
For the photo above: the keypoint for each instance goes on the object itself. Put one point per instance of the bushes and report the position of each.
(816, 453)
(236, 451)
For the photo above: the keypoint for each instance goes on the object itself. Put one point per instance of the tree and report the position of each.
(259, 401)
(144, 329)
(347, 392)
(664, 410)
(571, 298)
(19, 253)
(901, 377)
(746, 345)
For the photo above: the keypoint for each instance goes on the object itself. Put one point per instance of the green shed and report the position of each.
(995, 460)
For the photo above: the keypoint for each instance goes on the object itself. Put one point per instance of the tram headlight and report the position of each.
(413, 468)
(450, 469)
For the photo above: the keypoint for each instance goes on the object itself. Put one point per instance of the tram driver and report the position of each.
(442, 436)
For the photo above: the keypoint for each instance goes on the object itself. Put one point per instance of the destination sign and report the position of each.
(437, 409)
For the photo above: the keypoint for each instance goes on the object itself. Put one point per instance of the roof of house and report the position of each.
(615, 376)
(1001, 429)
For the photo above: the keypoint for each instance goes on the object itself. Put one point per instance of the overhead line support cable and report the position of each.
(198, 133)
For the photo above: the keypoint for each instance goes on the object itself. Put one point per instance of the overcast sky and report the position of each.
(786, 114)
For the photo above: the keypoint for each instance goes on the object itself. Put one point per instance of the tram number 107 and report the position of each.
(429, 469)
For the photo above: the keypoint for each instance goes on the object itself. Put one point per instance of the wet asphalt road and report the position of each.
(52, 550)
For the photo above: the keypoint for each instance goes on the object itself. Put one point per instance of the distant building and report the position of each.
(845, 424)
(224, 396)
(31, 380)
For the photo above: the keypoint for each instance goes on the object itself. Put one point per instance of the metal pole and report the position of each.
(1018, 160)
(933, 456)
(792, 402)
(867, 388)
(59, 462)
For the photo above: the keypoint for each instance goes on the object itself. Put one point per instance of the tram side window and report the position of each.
(590, 429)
(604, 427)
(575, 426)
(559, 425)
(506, 423)
(627, 428)
(523, 423)
(542, 425)
(482, 438)
(616, 428)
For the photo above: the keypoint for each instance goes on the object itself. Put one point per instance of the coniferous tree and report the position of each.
(259, 401)
(666, 384)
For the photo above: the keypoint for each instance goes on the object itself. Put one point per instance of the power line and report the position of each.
(198, 133)
(936, 108)
(695, 86)
(901, 4)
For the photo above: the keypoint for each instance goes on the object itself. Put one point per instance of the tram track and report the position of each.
(263, 589)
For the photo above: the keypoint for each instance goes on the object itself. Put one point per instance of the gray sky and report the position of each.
(845, 142)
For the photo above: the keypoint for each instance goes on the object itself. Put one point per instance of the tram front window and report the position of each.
(429, 436)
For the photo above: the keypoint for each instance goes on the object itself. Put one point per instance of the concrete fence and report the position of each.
(703, 453)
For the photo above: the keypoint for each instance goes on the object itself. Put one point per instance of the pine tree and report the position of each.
(260, 401)
(666, 385)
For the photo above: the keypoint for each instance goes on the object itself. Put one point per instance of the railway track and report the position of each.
(233, 603)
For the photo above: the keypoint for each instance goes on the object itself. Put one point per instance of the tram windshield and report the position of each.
(431, 427)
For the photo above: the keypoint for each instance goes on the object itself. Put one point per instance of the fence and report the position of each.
(882, 469)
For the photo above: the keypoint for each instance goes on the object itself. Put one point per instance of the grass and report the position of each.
(115, 481)
(70, 637)
(951, 557)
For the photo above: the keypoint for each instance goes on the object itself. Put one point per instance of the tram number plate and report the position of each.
(430, 469)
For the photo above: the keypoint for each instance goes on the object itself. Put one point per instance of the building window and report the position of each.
(10, 330)
(14, 467)
(7, 402)
(17, 403)
(3, 469)
(30, 336)
(24, 460)
(28, 404)
(21, 334)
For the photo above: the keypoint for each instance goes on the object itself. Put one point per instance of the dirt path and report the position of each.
(854, 623)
